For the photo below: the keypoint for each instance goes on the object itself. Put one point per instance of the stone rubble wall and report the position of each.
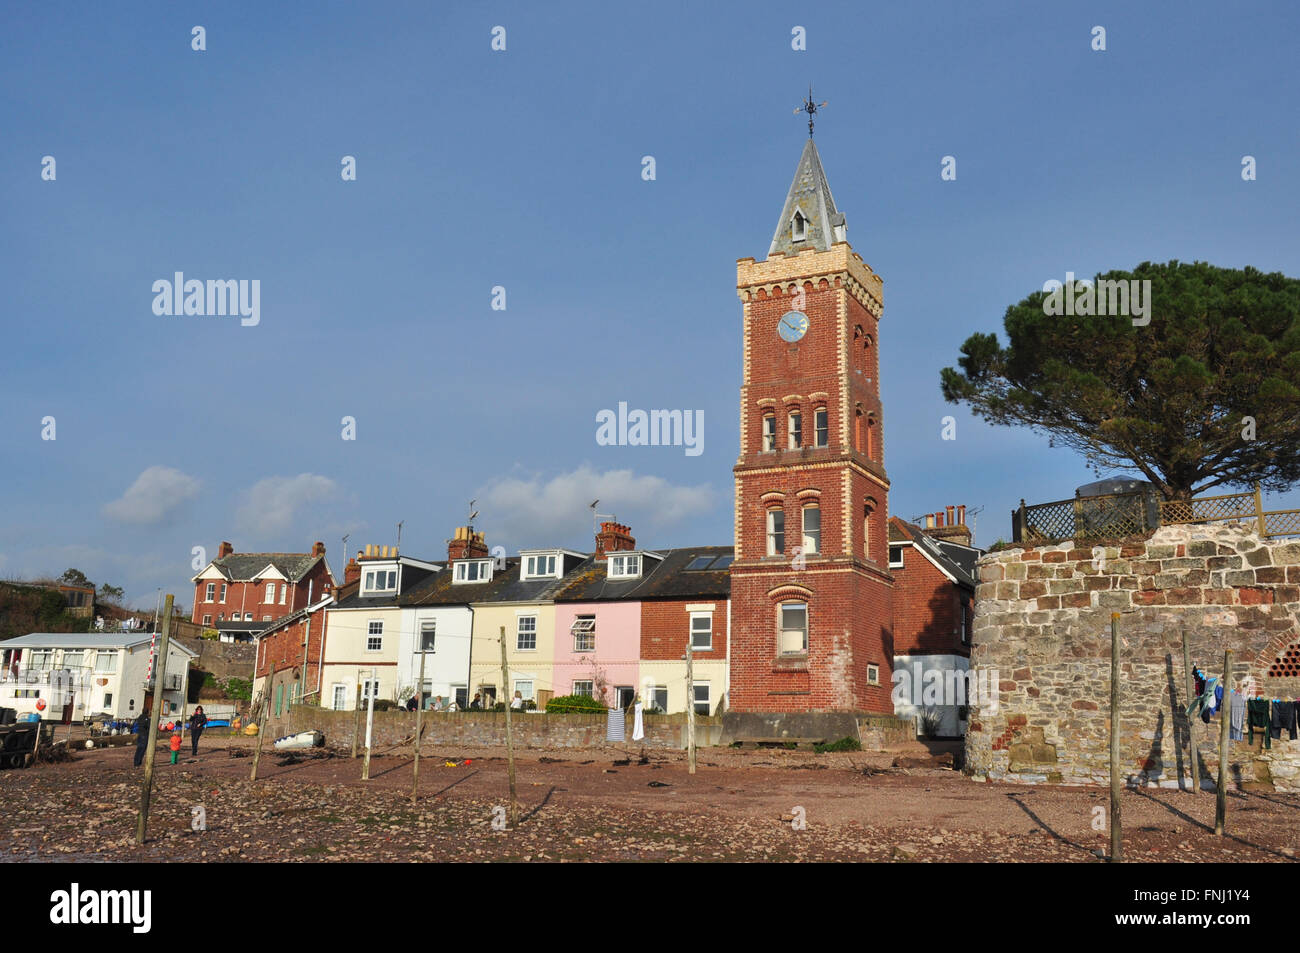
(1042, 620)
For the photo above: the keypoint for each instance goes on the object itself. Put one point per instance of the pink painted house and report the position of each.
(595, 643)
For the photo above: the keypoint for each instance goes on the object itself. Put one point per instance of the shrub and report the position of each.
(844, 744)
(575, 703)
(240, 689)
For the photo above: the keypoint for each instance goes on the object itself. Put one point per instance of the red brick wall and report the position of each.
(926, 606)
(666, 625)
(283, 649)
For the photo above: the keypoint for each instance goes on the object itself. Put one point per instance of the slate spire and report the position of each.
(808, 218)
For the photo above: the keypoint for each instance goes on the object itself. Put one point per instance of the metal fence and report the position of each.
(1118, 515)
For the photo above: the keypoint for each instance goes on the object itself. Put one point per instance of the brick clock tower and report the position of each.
(811, 591)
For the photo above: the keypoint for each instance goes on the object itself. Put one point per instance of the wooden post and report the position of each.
(265, 716)
(1259, 515)
(356, 720)
(1191, 720)
(1225, 717)
(419, 717)
(370, 724)
(1116, 783)
(690, 707)
(510, 741)
(159, 673)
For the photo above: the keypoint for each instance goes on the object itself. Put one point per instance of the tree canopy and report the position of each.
(1203, 390)
(75, 577)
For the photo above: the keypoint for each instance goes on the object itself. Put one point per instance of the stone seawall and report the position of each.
(477, 729)
(1042, 620)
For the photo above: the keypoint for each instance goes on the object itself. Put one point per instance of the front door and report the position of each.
(340, 697)
(623, 695)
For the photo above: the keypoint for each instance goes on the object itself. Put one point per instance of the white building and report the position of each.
(77, 675)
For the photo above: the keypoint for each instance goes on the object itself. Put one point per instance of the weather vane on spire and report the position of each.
(810, 108)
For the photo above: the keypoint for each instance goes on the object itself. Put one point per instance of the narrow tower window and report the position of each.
(769, 432)
(821, 427)
(798, 227)
(775, 532)
(796, 430)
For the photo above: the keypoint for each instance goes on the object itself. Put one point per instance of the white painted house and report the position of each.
(77, 675)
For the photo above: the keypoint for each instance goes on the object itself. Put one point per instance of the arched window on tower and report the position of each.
(798, 227)
(872, 436)
(868, 508)
(857, 428)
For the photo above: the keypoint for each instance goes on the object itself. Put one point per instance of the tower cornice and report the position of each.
(779, 273)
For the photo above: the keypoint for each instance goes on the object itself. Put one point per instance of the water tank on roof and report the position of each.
(1113, 485)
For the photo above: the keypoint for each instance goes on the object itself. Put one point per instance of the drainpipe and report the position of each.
(469, 664)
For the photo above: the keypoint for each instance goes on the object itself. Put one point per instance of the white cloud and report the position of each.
(154, 494)
(269, 505)
(536, 512)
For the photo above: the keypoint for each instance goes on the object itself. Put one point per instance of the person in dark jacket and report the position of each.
(141, 729)
(198, 721)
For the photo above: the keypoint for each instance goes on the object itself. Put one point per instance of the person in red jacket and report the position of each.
(176, 746)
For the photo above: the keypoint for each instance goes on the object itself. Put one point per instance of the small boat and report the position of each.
(303, 739)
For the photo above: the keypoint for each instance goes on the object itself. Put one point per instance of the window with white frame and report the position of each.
(428, 629)
(223, 592)
(525, 689)
(42, 660)
(375, 636)
(812, 528)
(340, 697)
(526, 633)
(381, 580)
(539, 566)
(211, 592)
(72, 659)
(873, 674)
(624, 567)
(248, 617)
(703, 705)
(794, 627)
(895, 557)
(769, 432)
(207, 620)
(659, 695)
(701, 631)
(775, 531)
(270, 592)
(584, 633)
(369, 688)
(266, 618)
(795, 430)
(475, 570)
(583, 687)
(821, 427)
(284, 589)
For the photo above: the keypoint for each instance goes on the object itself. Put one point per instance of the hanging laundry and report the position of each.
(1284, 717)
(1204, 701)
(638, 726)
(1237, 717)
(1257, 716)
(615, 725)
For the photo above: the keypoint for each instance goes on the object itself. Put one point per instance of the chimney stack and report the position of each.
(948, 524)
(466, 544)
(225, 549)
(318, 548)
(352, 571)
(613, 538)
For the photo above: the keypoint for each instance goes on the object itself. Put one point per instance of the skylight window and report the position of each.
(700, 562)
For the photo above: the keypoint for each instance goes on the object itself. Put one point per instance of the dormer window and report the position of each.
(541, 566)
(378, 581)
(798, 227)
(473, 570)
(624, 567)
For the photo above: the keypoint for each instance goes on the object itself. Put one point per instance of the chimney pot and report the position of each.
(961, 515)
(225, 549)
(951, 513)
(938, 518)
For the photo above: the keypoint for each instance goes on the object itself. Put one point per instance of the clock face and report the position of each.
(792, 326)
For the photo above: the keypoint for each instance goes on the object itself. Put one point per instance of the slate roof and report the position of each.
(412, 578)
(241, 567)
(504, 586)
(811, 194)
(661, 579)
(958, 560)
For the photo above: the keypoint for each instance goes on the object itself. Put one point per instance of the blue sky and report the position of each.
(522, 169)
